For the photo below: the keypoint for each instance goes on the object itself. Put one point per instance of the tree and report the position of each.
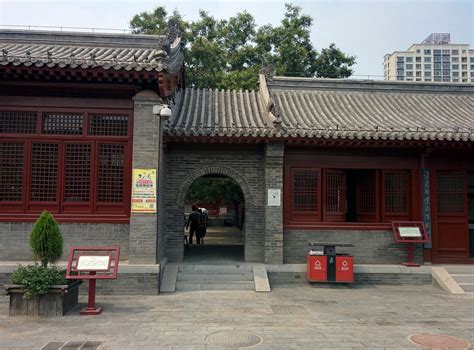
(333, 63)
(228, 53)
(45, 240)
(294, 52)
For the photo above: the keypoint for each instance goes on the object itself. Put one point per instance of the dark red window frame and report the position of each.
(64, 162)
(394, 192)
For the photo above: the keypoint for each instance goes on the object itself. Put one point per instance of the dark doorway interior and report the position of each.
(223, 201)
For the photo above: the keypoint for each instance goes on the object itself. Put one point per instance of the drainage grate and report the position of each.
(288, 309)
(87, 345)
(234, 339)
(439, 341)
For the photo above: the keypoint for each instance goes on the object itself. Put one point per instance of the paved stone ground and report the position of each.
(288, 318)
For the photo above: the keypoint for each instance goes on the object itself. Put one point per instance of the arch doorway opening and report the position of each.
(214, 215)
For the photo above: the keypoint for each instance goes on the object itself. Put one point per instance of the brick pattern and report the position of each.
(286, 278)
(125, 284)
(146, 145)
(274, 154)
(370, 247)
(186, 163)
(15, 237)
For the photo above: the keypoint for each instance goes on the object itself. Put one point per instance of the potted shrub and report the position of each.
(41, 289)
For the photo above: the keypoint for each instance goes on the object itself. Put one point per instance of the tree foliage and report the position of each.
(220, 190)
(45, 240)
(333, 63)
(228, 53)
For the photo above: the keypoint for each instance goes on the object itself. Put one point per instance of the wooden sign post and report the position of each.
(409, 232)
(92, 263)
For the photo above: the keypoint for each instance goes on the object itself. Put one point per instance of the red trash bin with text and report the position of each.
(344, 268)
(317, 268)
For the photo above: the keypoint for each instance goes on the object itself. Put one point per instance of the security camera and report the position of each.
(164, 111)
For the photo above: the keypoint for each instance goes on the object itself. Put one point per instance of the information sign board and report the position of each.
(93, 263)
(409, 232)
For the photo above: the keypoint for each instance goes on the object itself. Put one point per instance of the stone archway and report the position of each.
(235, 176)
(215, 170)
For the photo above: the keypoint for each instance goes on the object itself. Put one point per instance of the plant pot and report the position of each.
(59, 300)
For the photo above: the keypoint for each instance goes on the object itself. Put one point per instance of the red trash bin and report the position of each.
(344, 268)
(317, 268)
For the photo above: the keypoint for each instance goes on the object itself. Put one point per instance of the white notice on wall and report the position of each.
(274, 197)
(409, 232)
(93, 263)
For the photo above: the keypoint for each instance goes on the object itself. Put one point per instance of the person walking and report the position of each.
(203, 227)
(194, 223)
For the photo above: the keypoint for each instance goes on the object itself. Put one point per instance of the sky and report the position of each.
(366, 29)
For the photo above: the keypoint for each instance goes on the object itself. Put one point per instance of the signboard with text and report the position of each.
(89, 262)
(409, 232)
(93, 263)
(144, 191)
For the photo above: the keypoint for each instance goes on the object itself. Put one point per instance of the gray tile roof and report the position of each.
(203, 112)
(373, 113)
(326, 108)
(88, 50)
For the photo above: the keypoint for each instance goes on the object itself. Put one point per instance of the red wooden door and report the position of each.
(450, 222)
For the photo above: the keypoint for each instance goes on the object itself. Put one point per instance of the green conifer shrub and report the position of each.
(45, 240)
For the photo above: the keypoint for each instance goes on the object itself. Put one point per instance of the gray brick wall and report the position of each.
(370, 247)
(14, 238)
(274, 154)
(125, 284)
(289, 278)
(146, 145)
(244, 163)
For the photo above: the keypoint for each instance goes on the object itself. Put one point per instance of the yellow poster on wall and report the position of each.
(144, 191)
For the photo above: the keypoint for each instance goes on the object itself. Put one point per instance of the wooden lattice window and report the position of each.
(18, 122)
(77, 172)
(451, 192)
(396, 189)
(65, 161)
(44, 172)
(111, 172)
(63, 123)
(305, 190)
(334, 195)
(11, 171)
(108, 125)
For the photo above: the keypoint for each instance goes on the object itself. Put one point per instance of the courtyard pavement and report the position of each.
(302, 317)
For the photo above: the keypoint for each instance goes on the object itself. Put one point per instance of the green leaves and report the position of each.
(215, 189)
(36, 279)
(45, 240)
(333, 63)
(227, 54)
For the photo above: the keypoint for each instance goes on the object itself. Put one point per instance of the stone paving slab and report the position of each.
(374, 317)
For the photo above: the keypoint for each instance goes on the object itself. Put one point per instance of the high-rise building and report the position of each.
(435, 59)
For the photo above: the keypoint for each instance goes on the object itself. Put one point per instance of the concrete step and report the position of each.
(215, 268)
(229, 285)
(467, 287)
(460, 278)
(168, 282)
(460, 269)
(216, 277)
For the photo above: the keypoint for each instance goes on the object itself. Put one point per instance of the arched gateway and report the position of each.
(185, 164)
